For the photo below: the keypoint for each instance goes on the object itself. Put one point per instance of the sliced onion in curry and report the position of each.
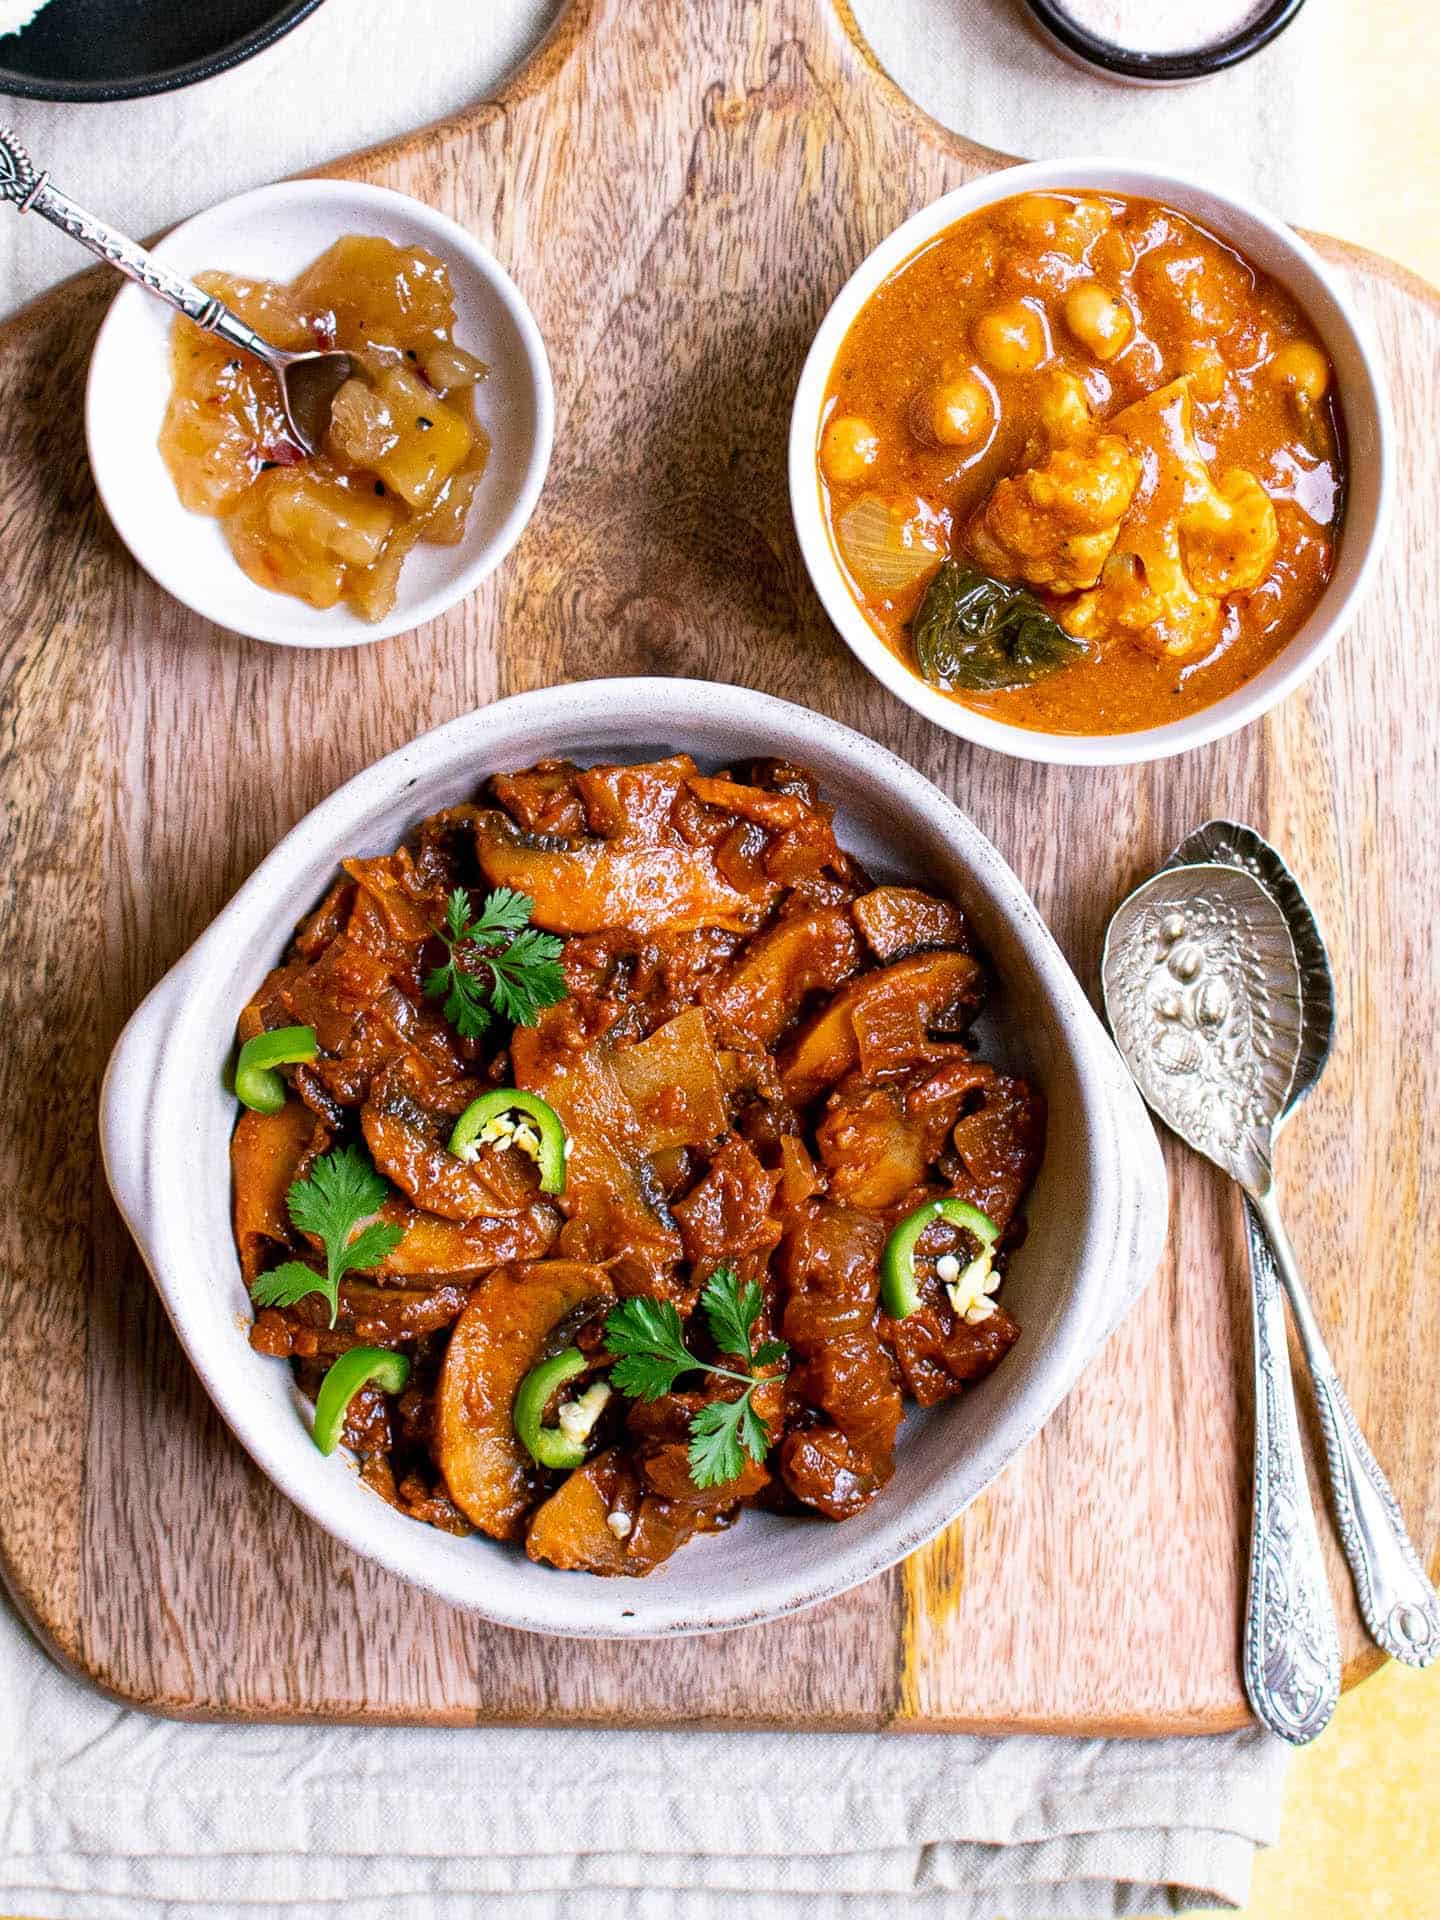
(890, 545)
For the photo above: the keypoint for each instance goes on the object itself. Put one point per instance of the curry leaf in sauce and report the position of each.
(980, 634)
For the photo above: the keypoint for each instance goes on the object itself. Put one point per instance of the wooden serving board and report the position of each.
(680, 186)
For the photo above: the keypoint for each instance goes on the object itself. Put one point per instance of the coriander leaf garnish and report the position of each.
(648, 1342)
(715, 1454)
(527, 976)
(498, 963)
(731, 1309)
(504, 912)
(342, 1189)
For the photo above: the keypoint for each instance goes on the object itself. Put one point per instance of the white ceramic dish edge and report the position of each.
(164, 1134)
(1278, 249)
(275, 232)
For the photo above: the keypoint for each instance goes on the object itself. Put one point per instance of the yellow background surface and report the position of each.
(1361, 1837)
(1380, 172)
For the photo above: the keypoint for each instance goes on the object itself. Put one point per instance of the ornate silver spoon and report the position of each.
(308, 381)
(1397, 1602)
(1202, 987)
(1224, 1016)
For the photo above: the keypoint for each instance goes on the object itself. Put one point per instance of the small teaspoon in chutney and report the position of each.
(308, 382)
(1219, 993)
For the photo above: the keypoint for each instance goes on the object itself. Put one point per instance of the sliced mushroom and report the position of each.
(897, 921)
(572, 1530)
(435, 1249)
(504, 1332)
(268, 1153)
(885, 1015)
(766, 987)
(408, 1142)
(602, 1520)
(583, 885)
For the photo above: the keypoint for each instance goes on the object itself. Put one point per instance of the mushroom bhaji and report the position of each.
(615, 1155)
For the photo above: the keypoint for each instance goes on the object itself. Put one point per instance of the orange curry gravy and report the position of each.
(1080, 393)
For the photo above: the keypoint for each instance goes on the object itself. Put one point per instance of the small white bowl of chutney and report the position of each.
(340, 549)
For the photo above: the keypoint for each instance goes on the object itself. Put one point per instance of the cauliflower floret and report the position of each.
(1065, 416)
(1054, 525)
(1149, 597)
(1129, 519)
(1185, 543)
(1228, 537)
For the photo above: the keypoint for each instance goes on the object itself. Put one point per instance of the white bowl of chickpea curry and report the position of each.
(437, 447)
(1090, 464)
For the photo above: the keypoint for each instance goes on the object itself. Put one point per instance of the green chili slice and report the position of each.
(899, 1287)
(538, 1132)
(557, 1446)
(256, 1082)
(353, 1370)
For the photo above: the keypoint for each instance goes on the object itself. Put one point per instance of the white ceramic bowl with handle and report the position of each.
(1097, 1215)
(1272, 246)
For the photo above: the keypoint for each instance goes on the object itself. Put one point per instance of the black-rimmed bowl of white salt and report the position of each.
(1158, 43)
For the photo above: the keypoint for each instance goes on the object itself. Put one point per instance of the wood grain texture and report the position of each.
(680, 188)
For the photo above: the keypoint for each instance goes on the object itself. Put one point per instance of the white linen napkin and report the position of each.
(980, 67)
(106, 1812)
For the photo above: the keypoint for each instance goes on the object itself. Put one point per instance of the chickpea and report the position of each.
(1065, 410)
(1113, 253)
(1037, 216)
(1303, 369)
(849, 448)
(1012, 338)
(1056, 223)
(1207, 370)
(1097, 320)
(955, 412)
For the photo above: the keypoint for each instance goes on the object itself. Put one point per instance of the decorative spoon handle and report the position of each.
(1397, 1601)
(32, 193)
(1292, 1647)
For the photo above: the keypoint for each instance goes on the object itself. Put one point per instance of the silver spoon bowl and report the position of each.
(308, 382)
(1225, 843)
(1204, 993)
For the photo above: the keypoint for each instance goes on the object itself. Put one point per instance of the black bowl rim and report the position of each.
(26, 86)
(1160, 67)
